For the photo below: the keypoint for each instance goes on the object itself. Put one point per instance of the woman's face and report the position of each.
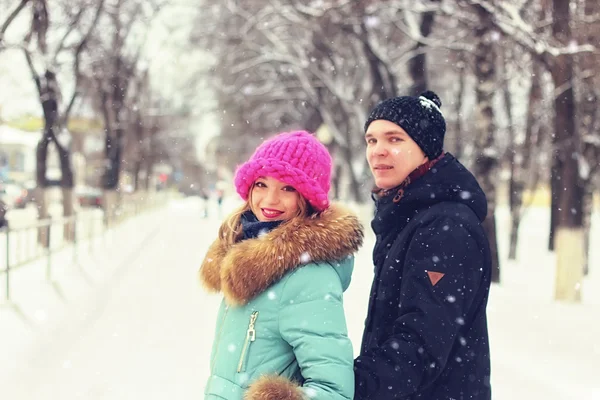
(273, 200)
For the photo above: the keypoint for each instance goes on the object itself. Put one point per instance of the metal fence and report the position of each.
(20, 246)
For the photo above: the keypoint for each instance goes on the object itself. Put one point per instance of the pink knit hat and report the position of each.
(296, 158)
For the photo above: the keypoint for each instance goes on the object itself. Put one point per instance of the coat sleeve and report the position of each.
(313, 322)
(432, 312)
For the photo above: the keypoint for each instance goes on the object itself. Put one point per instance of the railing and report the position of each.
(20, 246)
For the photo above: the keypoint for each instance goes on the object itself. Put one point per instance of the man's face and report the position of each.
(391, 153)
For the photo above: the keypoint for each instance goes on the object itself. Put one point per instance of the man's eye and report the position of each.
(396, 139)
(371, 141)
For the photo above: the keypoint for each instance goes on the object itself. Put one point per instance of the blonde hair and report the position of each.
(230, 231)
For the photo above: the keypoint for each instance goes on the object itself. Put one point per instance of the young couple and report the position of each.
(285, 258)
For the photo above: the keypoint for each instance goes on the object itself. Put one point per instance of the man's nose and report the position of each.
(380, 149)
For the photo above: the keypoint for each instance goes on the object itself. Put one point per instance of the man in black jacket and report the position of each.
(426, 333)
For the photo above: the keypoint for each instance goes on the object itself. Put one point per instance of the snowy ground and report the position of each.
(128, 320)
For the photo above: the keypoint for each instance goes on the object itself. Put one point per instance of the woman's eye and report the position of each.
(289, 189)
(260, 185)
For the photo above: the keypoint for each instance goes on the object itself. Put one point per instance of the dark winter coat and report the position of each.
(426, 333)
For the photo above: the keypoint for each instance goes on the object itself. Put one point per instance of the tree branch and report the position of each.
(77, 66)
(70, 29)
(11, 17)
(34, 73)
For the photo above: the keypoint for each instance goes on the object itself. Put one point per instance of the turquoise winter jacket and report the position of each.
(281, 331)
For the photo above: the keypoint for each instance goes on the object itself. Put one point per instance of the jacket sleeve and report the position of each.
(313, 322)
(431, 314)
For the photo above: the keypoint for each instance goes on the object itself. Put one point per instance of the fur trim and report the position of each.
(249, 267)
(274, 388)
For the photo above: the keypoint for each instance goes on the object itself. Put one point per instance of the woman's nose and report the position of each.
(272, 196)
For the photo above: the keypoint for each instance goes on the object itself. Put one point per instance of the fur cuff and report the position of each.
(274, 388)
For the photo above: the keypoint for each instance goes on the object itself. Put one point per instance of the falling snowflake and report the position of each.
(41, 316)
(231, 348)
(305, 258)
(271, 295)
(465, 195)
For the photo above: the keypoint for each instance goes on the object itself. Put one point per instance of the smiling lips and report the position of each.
(271, 213)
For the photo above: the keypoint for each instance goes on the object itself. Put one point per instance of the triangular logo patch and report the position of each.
(435, 277)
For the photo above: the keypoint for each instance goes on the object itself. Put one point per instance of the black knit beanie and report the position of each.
(420, 117)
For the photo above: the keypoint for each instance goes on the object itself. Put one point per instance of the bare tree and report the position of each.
(487, 158)
(113, 68)
(588, 123)
(569, 231)
(56, 115)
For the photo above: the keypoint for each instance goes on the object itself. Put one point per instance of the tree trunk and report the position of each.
(149, 168)
(515, 159)
(111, 177)
(41, 184)
(589, 115)
(554, 195)
(458, 105)
(111, 203)
(487, 182)
(335, 181)
(67, 190)
(355, 189)
(137, 170)
(569, 243)
(514, 235)
(417, 66)
(519, 176)
(486, 162)
(588, 208)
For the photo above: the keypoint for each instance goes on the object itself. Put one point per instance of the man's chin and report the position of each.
(385, 184)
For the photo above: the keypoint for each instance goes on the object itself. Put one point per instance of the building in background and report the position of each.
(17, 155)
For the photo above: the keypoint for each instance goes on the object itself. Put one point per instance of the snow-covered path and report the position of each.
(144, 331)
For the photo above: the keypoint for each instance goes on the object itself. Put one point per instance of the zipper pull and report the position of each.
(251, 331)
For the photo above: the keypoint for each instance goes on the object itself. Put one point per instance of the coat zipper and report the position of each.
(250, 337)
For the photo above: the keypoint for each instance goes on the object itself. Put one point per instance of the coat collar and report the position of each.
(248, 268)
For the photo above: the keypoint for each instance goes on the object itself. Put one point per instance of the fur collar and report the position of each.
(249, 267)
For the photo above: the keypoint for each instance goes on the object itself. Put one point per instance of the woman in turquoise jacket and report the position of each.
(282, 263)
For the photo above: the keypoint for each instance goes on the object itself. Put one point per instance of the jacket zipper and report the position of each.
(217, 340)
(250, 337)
